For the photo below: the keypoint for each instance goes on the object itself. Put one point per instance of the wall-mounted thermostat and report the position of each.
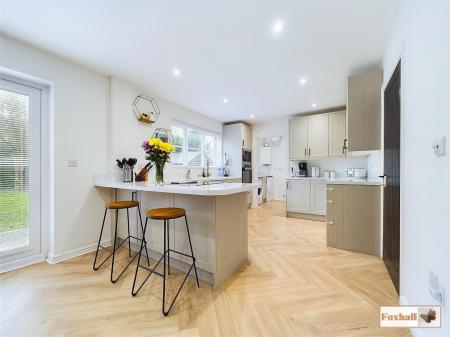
(439, 146)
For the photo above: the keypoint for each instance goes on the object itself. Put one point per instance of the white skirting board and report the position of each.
(52, 259)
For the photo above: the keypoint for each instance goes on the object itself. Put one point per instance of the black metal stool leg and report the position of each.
(143, 234)
(129, 237)
(164, 275)
(114, 248)
(192, 251)
(99, 241)
(168, 247)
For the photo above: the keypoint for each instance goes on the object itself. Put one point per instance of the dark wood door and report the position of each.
(391, 206)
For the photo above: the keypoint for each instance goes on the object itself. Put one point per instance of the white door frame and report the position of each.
(46, 173)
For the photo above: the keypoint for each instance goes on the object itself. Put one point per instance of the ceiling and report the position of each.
(221, 49)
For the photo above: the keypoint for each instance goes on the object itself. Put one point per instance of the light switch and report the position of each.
(439, 146)
(72, 163)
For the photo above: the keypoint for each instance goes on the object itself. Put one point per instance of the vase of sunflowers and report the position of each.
(158, 152)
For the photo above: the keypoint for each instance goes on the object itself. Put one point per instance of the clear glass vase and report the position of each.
(159, 176)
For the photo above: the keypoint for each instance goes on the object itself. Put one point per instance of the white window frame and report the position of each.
(217, 135)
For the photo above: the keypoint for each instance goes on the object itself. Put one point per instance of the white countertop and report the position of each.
(208, 190)
(344, 180)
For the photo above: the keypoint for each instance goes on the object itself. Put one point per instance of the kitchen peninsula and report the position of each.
(217, 215)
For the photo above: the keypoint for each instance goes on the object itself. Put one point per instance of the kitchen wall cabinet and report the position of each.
(298, 138)
(336, 134)
(364, 111)
(318, 197)
(318, 136)
(246, 136)
(298, 196)
(353, 218)
(235, 137)
(308, 137)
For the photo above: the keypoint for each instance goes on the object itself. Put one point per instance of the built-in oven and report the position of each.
(246, 157)
(246, 174)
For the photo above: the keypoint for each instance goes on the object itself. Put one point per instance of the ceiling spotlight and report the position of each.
(314, 105)
(302, 81)
(252, 116)
(277, 27)
(176, 72)
(225, 100)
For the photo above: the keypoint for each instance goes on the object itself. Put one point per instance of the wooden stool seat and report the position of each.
(121, 204)
(166, 213)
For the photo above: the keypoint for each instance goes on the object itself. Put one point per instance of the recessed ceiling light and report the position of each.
(314, 105)
(225, 100)
(303, 81)
(278, 27)
(251, 116)
(176, 72)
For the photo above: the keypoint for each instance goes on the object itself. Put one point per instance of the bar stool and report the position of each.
(165, 214)
(116, 205)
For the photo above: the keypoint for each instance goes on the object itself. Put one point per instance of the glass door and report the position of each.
(20, 144)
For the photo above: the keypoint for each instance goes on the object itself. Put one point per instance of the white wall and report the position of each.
(280, 154)
(80, 132)
(422, 37)
(93, 124)
(127, 133)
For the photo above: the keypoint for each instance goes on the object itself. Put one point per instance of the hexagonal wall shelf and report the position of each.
(146, 109)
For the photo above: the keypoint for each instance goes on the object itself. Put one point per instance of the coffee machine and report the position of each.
(303, 169)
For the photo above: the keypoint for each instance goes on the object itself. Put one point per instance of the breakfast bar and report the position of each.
(217, 215)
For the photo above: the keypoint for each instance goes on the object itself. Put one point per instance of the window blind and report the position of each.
(194, 147)
(14, 154)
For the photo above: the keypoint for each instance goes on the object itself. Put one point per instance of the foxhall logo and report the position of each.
(410, 317)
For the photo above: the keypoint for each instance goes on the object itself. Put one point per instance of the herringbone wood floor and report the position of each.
(292, 285)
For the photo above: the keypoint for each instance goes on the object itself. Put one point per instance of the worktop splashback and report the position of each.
(340, 165)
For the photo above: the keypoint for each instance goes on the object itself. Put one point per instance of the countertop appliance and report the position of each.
(303, 169)
(357, 172)
(315, 171)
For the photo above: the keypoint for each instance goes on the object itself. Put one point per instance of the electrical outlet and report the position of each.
(436, 291)
(72, 163)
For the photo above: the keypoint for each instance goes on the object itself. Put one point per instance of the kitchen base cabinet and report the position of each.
(298, 196)
(353, 218)
(305, 198)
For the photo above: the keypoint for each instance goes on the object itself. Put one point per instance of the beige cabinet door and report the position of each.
(298, 138)
(246, 135)
(355, 113)
(318, 136)
(372, 110)
(336, 134)
(298, 196)
(318, 196)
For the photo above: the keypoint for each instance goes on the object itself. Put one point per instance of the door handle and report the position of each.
(384, 177)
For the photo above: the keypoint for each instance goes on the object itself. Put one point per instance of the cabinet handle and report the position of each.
(242, 143)
(330, 201)
(330, 223)
(287, 185)
(344, 147)
(309, 151)
(305, 151)
(330, 189)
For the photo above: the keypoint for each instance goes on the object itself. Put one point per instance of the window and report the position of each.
(195, 147)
